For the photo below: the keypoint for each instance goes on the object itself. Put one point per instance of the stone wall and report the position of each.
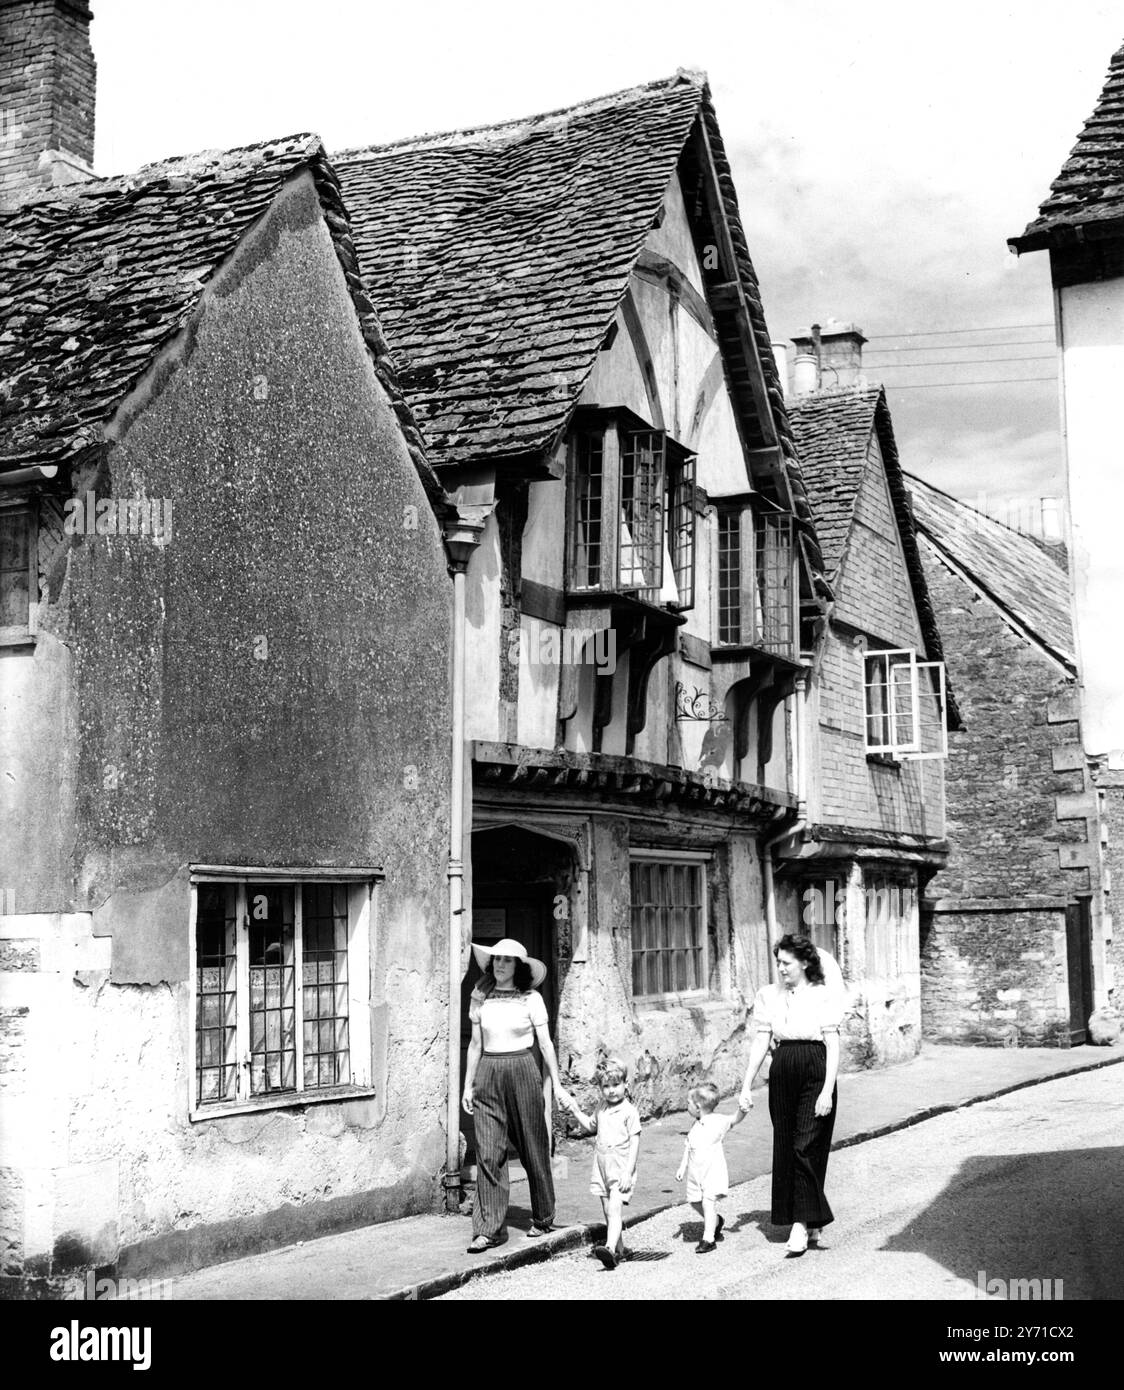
(993, 947)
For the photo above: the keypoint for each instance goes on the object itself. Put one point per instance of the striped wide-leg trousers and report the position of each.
(801, 1138)
(507, 1107)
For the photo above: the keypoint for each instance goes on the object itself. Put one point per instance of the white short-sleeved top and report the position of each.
(507, 1018)
(803, 1014)
(617, 1125)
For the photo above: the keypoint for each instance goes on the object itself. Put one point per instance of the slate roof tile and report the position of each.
(1089, 191)
(95, 278)
(498, 257)
(1016, 573)
(833, 432)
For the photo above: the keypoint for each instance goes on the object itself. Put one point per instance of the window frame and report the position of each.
(24, 634)
(756, 611)
(667, 858)
(910, 747)
(360, 886)
(612, 438)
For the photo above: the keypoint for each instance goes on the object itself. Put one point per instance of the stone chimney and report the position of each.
(828, 356)
(47, 75)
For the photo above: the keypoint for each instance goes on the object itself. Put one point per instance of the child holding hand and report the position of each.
(704, 1160)
(617, 1126)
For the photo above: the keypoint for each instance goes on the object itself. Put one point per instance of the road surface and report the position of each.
(1028, 1186)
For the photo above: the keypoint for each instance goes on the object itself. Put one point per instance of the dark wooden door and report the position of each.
(524, 915)
(1079, 958)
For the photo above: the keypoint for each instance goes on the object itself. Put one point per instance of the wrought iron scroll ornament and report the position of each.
(693, 703)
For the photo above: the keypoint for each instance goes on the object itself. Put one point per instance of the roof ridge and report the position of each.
(301, 145)
(517, 124)
(913, 477)
(835, 393)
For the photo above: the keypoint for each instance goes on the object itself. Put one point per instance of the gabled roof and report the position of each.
(1012, 570)
(96, 278)
(833, 431)
(1089, 192)
(498, 257)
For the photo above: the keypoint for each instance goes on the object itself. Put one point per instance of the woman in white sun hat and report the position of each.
(503, 1088)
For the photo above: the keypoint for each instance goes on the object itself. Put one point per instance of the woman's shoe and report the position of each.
(814, 1234)
(606, 1256)
(798, 1240)
(535, 1230)
(482, 1243)
(704, 1247)
(718, 1228)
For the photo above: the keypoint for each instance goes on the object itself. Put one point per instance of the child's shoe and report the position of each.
(606, 1256)
(704, 1247)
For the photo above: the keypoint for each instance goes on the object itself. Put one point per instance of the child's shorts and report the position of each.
(608, 1168)
(696, 1191)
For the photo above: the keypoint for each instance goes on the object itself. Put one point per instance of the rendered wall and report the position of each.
(267, 688)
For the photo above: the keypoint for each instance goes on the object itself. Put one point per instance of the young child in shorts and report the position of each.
(617, 1126)
(704, 1161)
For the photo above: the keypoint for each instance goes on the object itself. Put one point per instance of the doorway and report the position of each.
(1079, 959)
(515, 878)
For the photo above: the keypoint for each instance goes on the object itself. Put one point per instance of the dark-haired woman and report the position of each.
(503, 1088)
(801, 1016)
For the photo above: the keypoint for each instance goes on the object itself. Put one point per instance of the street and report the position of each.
(1028, 1186)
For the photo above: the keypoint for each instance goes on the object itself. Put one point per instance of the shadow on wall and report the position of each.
(1036, 1216)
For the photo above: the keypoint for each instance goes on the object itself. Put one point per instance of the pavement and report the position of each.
(421, 1257)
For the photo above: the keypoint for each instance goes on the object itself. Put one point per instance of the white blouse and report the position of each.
(507, 1019)
(803, 1014)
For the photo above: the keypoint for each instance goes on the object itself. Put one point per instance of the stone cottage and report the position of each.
(224, 723)
(1007, 926)
(873, 834)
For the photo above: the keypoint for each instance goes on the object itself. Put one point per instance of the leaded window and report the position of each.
(632, 511)
(669, 932)
(273, 978)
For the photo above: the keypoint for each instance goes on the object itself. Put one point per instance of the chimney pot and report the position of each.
(837, 349)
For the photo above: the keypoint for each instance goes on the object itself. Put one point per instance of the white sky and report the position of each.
(883, 151)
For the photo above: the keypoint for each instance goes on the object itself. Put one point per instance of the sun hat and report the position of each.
(508, 947)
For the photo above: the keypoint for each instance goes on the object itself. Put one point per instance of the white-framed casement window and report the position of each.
(19, 572)
(280, 977)
(756, 577)
(632, 512)
(904, 705)
(669, 923)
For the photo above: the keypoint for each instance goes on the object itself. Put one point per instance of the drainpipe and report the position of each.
(36, 473)
(463, 529)
(796, 826)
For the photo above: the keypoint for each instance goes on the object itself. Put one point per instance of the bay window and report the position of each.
(756, 577)
(631, 512)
